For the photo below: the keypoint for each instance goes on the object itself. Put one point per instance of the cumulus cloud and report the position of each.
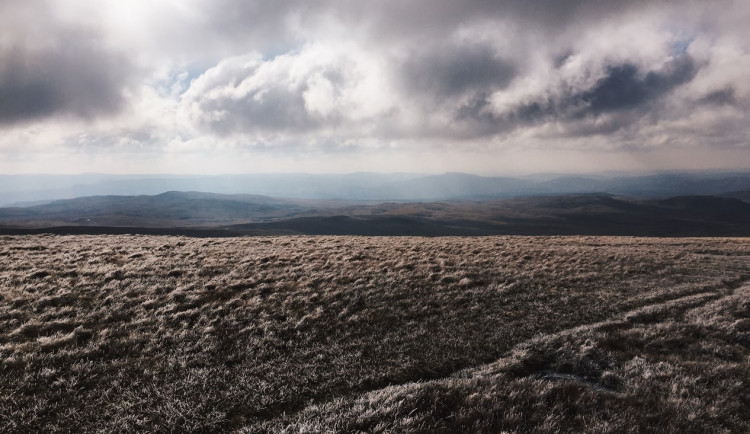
(380, 76)
(620, 95)
(316, 88)
(484, 69)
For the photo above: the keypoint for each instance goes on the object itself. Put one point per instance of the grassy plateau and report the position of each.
(307, 334)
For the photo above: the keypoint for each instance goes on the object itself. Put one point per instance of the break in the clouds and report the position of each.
(487, 86)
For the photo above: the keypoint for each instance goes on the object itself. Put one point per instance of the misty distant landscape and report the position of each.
(26, 190)
(370, 204)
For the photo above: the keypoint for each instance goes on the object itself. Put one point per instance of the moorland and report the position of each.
(136, 333)
(211, 214)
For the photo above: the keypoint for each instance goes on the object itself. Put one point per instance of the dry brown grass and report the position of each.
(531, 334)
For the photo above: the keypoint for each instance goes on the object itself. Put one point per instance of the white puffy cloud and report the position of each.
(318, 89)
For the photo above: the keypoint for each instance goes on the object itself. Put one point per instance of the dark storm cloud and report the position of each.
(53, 67)
(719, 97)
(626, 87)
(447, 72)
(73, 77)
(624, 93)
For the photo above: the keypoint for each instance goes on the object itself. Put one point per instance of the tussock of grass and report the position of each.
(128, 333)
(686, 374)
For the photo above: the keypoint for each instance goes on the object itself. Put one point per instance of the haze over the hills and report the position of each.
(211, 214)
(27, 190)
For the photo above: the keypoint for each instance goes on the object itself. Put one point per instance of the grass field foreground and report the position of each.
(374, 334)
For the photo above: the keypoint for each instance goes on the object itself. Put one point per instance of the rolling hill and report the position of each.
(233, 215)
(172, 208)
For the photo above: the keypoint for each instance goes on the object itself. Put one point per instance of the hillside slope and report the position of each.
(172, 208)
(233, 215)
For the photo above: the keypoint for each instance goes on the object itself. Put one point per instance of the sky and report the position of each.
(338, 86)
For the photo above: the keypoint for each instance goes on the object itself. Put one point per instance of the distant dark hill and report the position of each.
(708, 208)
(231, 215)
(594, 202)
(353, 186)
(594, 214)
(677, 184)
(466, 186)
(170, 208)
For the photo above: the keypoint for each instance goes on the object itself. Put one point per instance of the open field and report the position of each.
(382, 334)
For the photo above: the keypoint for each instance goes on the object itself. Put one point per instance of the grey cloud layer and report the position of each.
(622, 88)
(411, 71)
(447, 76)
(50, 69)
(40, 83)
(446, 72)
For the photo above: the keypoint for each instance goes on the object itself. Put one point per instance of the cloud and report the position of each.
(582, 104)
(719, 97)
(452, 71)
(40, 83)
(625, 87)
(339, 76)
(316, 88)
(51, 69)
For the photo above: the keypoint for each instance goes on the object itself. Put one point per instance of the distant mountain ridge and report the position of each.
(166, 209)
(211, 214)
(31, 189)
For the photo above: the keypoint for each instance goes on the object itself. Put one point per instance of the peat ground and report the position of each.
(374, 334)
